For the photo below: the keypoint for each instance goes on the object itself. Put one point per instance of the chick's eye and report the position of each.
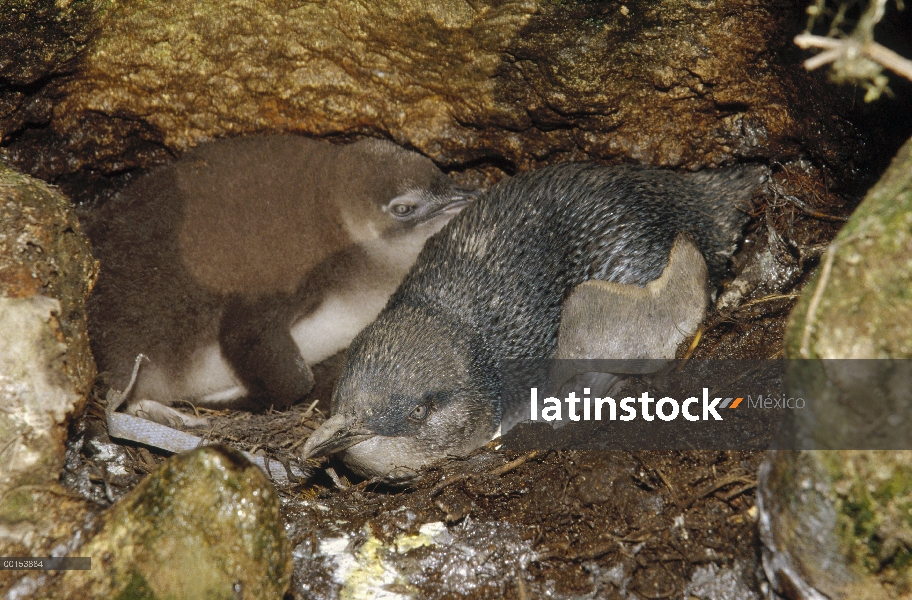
(419, 412)
(401, 210)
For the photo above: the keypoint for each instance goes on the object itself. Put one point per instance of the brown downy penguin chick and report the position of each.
(422, 382)
(249, 259)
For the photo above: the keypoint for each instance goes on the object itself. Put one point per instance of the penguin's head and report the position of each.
(403, 194)
(413, 392)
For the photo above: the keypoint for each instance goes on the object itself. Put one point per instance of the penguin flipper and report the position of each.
(608, 320)
(255, 339)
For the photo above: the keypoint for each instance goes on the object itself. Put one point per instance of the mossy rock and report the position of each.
(205, 525)
(839, 522)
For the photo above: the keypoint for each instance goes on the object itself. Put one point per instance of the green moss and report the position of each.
(899, 485)
(858, 525)
(874, 513)
(902, 560)
(137, 589)
(14, 507)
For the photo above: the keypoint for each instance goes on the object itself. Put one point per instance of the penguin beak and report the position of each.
(459, 199)
(334, 436)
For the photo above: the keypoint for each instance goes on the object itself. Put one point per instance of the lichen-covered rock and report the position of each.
(205, 525)
(839, 522)
(46, 369)
(520, 83)
(859, 303)
(36, 399)
(35, 393)
(38, 39)
(43, 252)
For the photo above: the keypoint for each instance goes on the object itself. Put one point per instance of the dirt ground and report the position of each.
(568, 524)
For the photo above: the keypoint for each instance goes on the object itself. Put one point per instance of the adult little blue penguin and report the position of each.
(421, 382)
(249, 259)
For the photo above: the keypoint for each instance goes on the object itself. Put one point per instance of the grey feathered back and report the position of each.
(504, 267)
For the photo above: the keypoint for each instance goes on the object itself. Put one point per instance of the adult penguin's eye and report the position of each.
(419, 413)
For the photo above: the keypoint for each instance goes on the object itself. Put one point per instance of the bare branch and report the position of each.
(855, 57)
(849, 49)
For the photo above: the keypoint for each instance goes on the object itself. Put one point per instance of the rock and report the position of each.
(711, 582)
(836, 523)
(205, 525)
(513, 85)
(46, 369)
(39, 37)
(38, 40)
(36, 395)
(465, 560)
(858, 304)
(43, 251)
(37, 398)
